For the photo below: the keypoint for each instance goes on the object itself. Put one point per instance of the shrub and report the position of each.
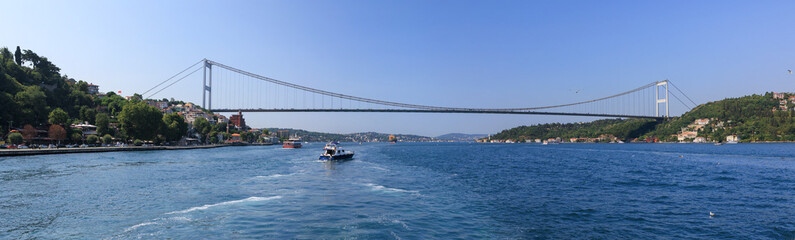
(107, 139)
(91, 139)
(15, 138)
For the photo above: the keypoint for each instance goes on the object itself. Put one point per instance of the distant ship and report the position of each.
(392, 139)
(293, 142)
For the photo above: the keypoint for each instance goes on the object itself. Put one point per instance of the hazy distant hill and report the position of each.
(461, 137)
(350, 137)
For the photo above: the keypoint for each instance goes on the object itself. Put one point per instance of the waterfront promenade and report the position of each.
(43, 151)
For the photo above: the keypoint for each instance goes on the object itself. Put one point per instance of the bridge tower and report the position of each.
(660, 101)
(207, 89)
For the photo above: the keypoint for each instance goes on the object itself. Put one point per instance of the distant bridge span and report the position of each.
(237, 90)
(438, 111)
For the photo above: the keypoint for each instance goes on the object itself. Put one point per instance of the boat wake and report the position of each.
(139, 225)
(273, 176)
(167, 220)
(251, 199)
(388, 189)
(157, 221)
(374, 166)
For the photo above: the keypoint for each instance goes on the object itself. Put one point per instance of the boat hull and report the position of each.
(336, 157)
(291, 145)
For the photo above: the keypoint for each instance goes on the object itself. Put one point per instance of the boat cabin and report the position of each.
(334, 151)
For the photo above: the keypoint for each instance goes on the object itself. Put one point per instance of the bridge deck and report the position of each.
(436, 111)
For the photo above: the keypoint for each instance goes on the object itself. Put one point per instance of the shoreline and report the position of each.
(47, 151)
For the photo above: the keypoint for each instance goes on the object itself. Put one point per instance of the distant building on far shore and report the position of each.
(93, 89)
(238, 120)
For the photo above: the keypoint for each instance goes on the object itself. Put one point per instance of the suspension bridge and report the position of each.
(236, 90)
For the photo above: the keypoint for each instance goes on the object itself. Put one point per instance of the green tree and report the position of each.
(18, 56)
(213, 137)
(58, 117)
(244, 136)
(174, 127)
(91, 139)
(15, 138)
(88, 114)
(202, 126)
(76, 137)
(32, 103)
(140, 121)
(5, 56)
(102, 122)
(107, 139)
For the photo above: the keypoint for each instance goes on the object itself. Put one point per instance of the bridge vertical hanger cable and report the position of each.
(247, 92)
(404, 105)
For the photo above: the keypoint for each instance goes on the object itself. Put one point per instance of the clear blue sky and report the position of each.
(448, 53)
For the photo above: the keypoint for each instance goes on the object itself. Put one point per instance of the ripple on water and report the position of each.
(469, 191)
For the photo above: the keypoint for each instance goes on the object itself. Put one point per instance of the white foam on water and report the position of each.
(387, 189)
(395, 235)
(379, 168)
(179, 219)
(274, 175)
(401, 223)
(374, 166)
(251, 199)
(139, 225)
(156, 221)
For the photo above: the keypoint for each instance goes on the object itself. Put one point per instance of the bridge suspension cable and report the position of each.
(239, 90)
(683, 94)
(180, 79)
(172, 77)
(415, 106)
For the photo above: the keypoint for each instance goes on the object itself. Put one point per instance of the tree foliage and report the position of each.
(91, 139)
(107, 139)
(202, 126)
(18, 56)
(620, 128)
(76, 137)
(174, 127)
(15, 138)
(58, 117)
(140, 121)
(57, 132)
(752, 118)
(32, 103)
(29, 132)
(33, 91)
(102, 122)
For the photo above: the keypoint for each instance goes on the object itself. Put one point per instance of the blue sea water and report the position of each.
(406, 191)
